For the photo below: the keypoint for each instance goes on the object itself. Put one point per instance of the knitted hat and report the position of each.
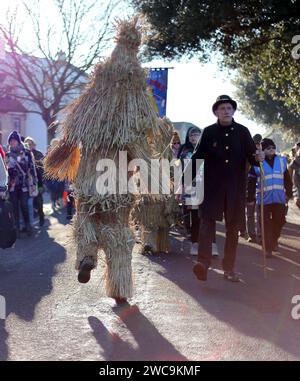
(29, 139)
(224, 99)
(14, 135)
(265, 143)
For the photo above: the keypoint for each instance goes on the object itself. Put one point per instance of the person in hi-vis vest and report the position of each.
(277, 190)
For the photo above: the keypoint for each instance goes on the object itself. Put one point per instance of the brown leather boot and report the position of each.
(200, 270)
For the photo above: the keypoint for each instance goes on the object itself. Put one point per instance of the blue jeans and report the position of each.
(30, 210)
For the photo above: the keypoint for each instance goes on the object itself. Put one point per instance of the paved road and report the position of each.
(172, 315)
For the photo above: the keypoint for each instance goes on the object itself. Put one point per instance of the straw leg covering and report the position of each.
(117, 243)
(109, 231)
(157, 238)
(86, 250)
(85, 235)
(153, 224)
(149, 238)
(162, 240)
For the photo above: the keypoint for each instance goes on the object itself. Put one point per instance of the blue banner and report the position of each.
(157, 84)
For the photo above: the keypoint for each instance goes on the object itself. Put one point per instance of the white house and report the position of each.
(18, 114)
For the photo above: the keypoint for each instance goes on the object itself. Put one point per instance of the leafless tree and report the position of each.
(63, 46)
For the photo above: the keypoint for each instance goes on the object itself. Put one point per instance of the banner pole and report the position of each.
(262, 179)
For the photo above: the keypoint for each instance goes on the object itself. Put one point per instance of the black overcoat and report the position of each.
(225, 151)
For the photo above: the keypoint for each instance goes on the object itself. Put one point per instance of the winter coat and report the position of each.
(21, 171)
(225, 151)
(185, 153)
(295, 165)
(38, 158)
(3, 175)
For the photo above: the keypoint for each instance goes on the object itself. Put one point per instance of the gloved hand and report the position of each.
(259, 155)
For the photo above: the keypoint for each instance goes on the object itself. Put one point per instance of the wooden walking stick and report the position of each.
(262, 179)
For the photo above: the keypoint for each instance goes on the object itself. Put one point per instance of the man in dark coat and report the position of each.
(225, 147)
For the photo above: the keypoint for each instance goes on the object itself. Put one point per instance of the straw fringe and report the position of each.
(62, 162)
(115, 107)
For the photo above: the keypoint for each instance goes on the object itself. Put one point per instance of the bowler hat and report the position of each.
(224, 99)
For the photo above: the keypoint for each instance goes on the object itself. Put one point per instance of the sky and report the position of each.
(192, 87)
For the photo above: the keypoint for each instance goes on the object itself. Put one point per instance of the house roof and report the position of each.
(8, 104)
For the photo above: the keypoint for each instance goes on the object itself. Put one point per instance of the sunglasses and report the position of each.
(175, 144)
(270, 147)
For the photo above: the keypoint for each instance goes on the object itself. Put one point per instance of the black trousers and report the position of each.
(70, 204)
(206, 238)
(195, 219)
(20, 199)
(243, 228)
(38, 205)
(274, 219)
(192, 220)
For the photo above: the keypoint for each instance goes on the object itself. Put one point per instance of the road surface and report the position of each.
(172, 316)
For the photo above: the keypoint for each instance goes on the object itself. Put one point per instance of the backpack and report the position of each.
(8, 232)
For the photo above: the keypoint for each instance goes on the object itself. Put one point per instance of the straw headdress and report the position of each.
(115, 109)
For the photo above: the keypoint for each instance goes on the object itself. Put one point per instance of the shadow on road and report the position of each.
(26, 273)
(61, 216)
(151, 345)
(257, 307)
(3, 338)
(291, 229)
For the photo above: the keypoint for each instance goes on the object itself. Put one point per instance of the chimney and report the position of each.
(61, 56)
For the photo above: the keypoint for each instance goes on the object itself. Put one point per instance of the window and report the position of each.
(17, 124)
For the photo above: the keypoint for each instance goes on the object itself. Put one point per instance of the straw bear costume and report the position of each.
(113, 114)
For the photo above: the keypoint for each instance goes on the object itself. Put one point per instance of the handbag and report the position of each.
(33, 188)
